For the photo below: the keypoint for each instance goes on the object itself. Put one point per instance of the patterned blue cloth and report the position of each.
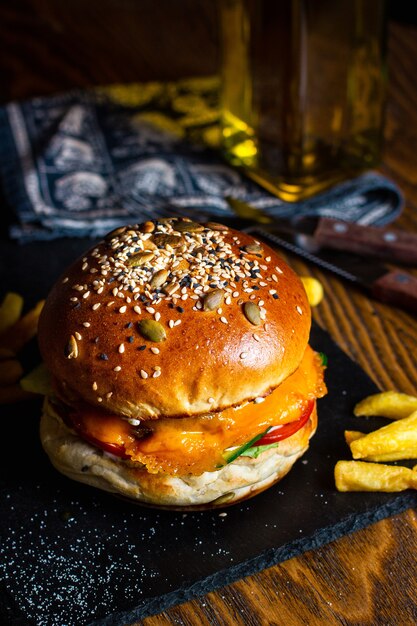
(79, 164)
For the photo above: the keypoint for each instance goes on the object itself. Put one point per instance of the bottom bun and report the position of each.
(241, 479)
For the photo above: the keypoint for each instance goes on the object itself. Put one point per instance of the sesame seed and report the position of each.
(157, 367)
(299, 310)
(66, 279)
(73, 299)
(272, 291)
(95, 386)
(86, 294)
(279, 270)
(86, 324)
(243, 355)
(117, 368)
(274, 278)
(171, 323)
(84, 266)
(109, 395)
(267, 259)
(256, 337)
(261, 302)
(143, 374)
(224, 320)
(228, 300)
(155, 350)
(122, 309)
(177, 322)
(99, 399)
(235, 294)
(137, 309)
(115, 291)
(157, 316)
(96, 306)
(133, 422)
(210, 400)
(110, 303)
(156, 374)
(259, 400)
(150, 309)
(121, 348)
(262, 283)
(78, 336)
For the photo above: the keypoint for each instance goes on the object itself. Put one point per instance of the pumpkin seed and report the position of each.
(187, 227)
(226, 497)
(149, 245)
(71, 349)
(253, 248)
(171, 288)
(252, 313)
(162, 240)
(152, 330)
(213, 300)
(139, 259)
(147, 227)
(216, 226)
(159, 278)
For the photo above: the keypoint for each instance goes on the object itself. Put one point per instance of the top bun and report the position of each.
(172, 318)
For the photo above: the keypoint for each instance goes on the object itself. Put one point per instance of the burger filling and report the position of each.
(193, 445)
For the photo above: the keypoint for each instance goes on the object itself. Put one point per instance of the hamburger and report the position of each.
(182, 374)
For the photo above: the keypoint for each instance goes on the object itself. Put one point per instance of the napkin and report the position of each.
(83, 162)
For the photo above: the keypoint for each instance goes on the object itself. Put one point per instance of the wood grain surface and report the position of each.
(367, 578)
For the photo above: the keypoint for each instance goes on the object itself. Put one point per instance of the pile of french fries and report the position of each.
(16, 330)
(371, 452)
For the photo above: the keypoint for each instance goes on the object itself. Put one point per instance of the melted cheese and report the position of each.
(194, 445)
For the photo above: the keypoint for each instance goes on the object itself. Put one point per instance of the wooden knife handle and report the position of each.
(397, 288)
(392, 245)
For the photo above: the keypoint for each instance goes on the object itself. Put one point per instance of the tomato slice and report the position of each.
(278, 433)
(114, 448)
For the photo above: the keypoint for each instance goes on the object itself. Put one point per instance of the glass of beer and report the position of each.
(303, 90)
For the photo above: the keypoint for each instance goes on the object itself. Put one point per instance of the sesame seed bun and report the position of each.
(165, 319)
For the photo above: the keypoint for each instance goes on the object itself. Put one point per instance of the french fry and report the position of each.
(398, 455)
(395, 437)
(362, 476)
(352, 435)
(38, 381)
(14, 393)
(387, 404)
(314, 290)
(10, 310)
(10, 372)
(6, 354)
(23, 330)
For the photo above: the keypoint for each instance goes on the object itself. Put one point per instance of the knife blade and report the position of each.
(398, 246)
(393, 287)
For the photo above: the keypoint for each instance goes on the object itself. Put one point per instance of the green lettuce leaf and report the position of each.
(257, 450)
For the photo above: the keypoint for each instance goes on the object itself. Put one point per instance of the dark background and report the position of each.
(54, 45)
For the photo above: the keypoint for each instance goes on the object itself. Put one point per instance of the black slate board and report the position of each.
(72, 555)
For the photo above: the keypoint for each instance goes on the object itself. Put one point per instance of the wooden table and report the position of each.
(369, 577)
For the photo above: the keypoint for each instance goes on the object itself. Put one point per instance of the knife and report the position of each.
(394, 287)
(396, 245)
